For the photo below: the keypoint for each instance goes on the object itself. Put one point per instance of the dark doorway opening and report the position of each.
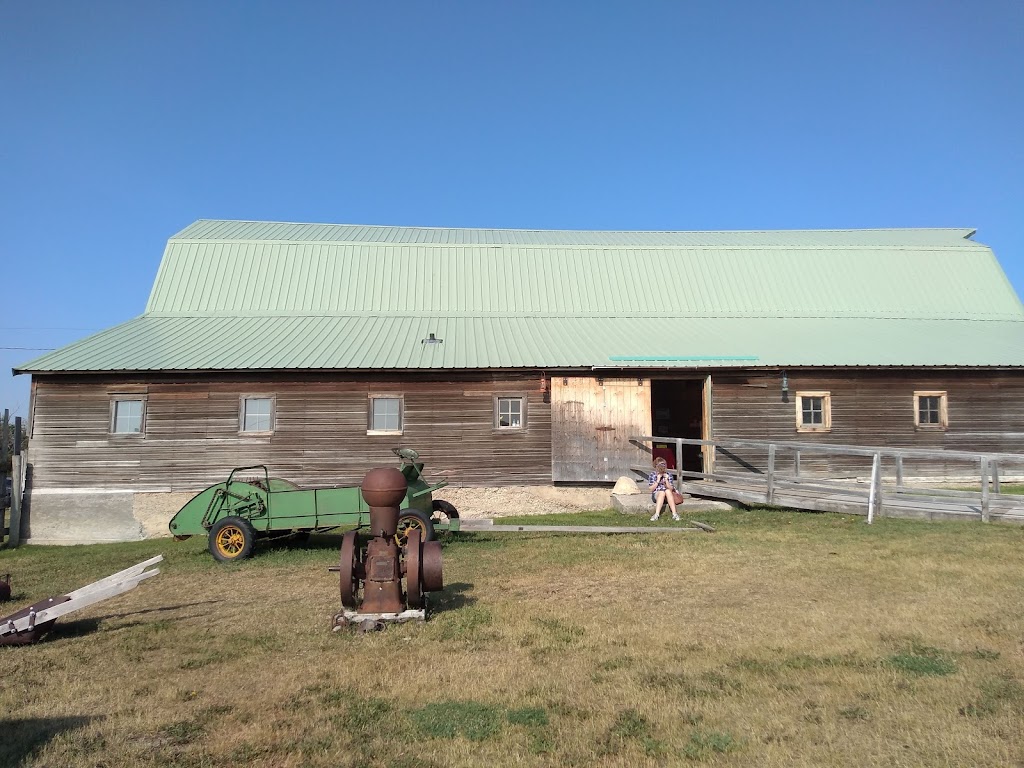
(677, 410)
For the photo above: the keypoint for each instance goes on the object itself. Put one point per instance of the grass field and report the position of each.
(783, 639)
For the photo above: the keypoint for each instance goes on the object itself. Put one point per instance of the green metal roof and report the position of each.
(510, 341)
(261, 296)
(206, 230)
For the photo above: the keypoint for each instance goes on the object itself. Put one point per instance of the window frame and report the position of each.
(369, 413)
(127, 398)
(495, 413)
(241, 414)
(943, 422)
(826, 411)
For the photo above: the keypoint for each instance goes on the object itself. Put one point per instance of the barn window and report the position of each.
(126, 416)
(385, 415)
(257, 414)
(813, 411)
(510, 413)
(930, 410)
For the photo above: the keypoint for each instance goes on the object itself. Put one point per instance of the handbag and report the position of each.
(677, 497)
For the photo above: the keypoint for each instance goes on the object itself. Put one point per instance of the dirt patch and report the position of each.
(524, 500)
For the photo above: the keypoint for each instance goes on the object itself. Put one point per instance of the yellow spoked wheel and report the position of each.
(413, 519)
(231, 539)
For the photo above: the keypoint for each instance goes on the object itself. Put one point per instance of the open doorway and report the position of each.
(677, 410)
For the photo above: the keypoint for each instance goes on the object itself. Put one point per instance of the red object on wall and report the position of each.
(668, 454)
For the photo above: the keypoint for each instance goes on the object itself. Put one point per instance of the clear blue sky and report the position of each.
(125, 121)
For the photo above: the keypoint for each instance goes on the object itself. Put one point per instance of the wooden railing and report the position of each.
(771, 473)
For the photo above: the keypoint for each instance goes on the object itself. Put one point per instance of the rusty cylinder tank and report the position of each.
(384, 490)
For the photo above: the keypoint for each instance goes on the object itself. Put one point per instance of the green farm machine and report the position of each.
(251, 505)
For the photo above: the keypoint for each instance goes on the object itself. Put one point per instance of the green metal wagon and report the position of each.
(251, 505)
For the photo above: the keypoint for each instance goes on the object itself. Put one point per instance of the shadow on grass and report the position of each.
(22, 738)
(314, 543)
(64, 629)
(161, 609)
(452, 597)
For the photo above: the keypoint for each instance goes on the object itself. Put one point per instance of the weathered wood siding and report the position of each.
(192, 440)
(986, 414)
(592, 422)
(191, 437)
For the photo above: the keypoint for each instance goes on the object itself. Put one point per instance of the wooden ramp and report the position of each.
(487, 525)
(853, 498)
(754, 472)
(31, 623)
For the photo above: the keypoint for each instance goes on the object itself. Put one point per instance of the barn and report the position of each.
(514, 357)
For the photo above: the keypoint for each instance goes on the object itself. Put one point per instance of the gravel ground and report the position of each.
(524, 500)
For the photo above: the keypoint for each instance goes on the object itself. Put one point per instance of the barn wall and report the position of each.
(191, 435)
(986, 414)
(83, 475)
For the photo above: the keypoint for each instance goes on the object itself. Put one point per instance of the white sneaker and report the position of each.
(677, 518)
(654, 518)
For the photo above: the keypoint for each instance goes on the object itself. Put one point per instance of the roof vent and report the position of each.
(432, 339)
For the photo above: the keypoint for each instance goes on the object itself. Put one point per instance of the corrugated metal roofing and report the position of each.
(256, 231)
(263, 295)
(154, 343)
(330, 278)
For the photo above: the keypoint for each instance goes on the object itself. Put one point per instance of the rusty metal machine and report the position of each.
(371, 576)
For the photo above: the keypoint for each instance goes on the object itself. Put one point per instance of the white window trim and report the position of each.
(826, 412)
(114, 400)
(241, 414)
(523, 419)
(369, 413)
(943, 410)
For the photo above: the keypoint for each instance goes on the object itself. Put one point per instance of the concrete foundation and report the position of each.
(100, 516)
(641, 504)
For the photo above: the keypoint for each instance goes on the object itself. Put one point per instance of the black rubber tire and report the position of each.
(413, 517)
(231, 539)
(442, 507)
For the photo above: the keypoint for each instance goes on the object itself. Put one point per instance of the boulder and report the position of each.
(632, 503)
(625, 486)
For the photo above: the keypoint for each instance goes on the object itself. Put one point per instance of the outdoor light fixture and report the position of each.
(432, 339)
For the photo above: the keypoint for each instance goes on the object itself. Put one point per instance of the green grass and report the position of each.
(1016, 489)
(782, 639)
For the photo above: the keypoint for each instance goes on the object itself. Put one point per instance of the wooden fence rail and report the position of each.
(759, 472)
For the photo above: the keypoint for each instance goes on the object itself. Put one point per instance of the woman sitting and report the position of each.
(661, 488)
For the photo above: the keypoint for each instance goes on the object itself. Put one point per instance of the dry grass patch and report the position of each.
(783, 639)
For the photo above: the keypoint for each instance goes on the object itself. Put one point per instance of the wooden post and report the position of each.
(14, 537)
(994, 465)
(899, 470)
(875, 494)
(17, 434)
(4, 432)
(984, 490)
(770, 496)
(796, 464)
(679, 463)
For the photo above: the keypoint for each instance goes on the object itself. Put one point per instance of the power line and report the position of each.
(32, 349)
